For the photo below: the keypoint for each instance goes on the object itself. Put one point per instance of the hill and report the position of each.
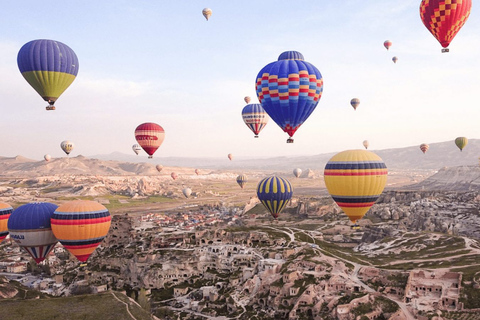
(462, 178)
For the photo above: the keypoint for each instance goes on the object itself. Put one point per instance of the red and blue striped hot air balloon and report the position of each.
(80, 226)
(49, 67)
(150, 137)
(274, 193)
(255, 117)
(29, 226)
(289, 90)
(5, 212)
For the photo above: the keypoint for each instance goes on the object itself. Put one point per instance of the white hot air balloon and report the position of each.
(187, 192)
(47, 157)
(366, 144)
(67, 146)
(136, 148)
(297, 172)
(207, 12)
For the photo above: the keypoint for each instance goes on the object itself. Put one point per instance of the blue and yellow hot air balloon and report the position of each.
(49, 67)
(355, 179)
(29, 226)
(80, 226)
(289, 90)
(274, 193)
(242, 180)
(255, 117)
(5, 212)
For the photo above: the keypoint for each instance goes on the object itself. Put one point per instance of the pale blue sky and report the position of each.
(160, 61)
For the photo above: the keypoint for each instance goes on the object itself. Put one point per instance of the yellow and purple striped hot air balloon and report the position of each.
(242, 180)
(355, 179)
(49, 67)
(5, 212)
(274, 193)
(80, 226)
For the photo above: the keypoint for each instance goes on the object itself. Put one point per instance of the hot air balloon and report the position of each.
(207, 12)
(297, 172)
(247, 99)
(80, 226)
(289, 90)
(174, 176)
(47, 157)
(274, 193)
(255, 117)
(136, 148)
(159, 167)
(424, 147)
(444, 18)
(5, 212)
(242, 180)
(461, 142)
(387, 44)
(49, 67)
(197, 172)
(149, 136)
(366, 144)
(29, 226)
(187, 192)
(67, 146)
(230, 156)
(355, 179)
(355, 102)
(394, 59)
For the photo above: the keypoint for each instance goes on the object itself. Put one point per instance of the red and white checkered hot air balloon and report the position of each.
(149, 136)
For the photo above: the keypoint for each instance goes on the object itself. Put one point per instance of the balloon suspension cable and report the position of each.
(289, 140)
(445, 50)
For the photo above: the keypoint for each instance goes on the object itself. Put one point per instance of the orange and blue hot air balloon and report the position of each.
(274, 193)
(150, 137)
(29, 226)
(289, 90)
(49, 66)
(5, 212)
(255, 117)
(80, 226)
(444, 18)
(355, 179)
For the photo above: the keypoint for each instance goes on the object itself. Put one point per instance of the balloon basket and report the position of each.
(150, 157)
(445, 50)
(289, 140)
(256, 136)
(50, 107)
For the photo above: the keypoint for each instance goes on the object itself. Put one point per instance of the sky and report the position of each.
(161, 61)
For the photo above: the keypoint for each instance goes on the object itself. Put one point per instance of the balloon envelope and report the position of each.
(30, 228)
(47, 157)
(49, 66)
(387, 44)
(149, 136)
(297, 172)
(230, 156)
(461, 142)
(207, 12)
(247, 99)
(67, 146)
(242, 180)
(80, 226)
(274, 193)
(136, 148)
(255, 117)
(355, 179)
(355, 102)
(197, 172)
(394, 59)
(159, 167)
(424, 147)
(5, 212)
(444, 18)
(187, 192)
(174, 176)
(366, 144)
(289, 90)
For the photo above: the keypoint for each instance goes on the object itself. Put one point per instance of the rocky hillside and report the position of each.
(462, 178)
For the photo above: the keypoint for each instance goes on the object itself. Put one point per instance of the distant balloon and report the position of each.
(247, 99)
(461, 142)
(394, 59)
(297, 172)
(230, 156)
(149, 136)
(207, 12)
(49, 67)
(444, 18)
(289, 90)
(67, 146)
(355, 179)
(5, 212)
(424, 147)
(255, 117)
(387, 44)
(274, 193)
(242, 180)
(136, 148)
(174, 176)
(355, 102)
(80, 226)
(366, 144)
(159, 167)
(187, 192)
(197, 172)
(47, 157)
(30, 228)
